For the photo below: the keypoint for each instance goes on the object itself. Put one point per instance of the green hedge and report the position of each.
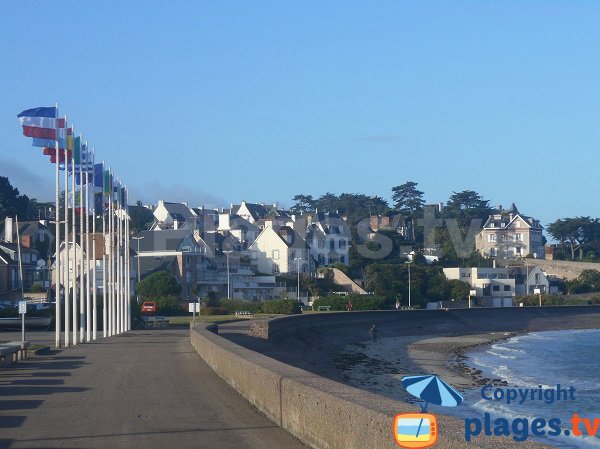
(234, 305)
(359, 302)
(214, 311)
(281, 306)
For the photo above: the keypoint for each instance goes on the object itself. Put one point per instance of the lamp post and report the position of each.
(228, 277)
(409, 262)
(298, 270)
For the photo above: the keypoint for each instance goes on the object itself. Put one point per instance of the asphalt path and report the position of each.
(143, 389)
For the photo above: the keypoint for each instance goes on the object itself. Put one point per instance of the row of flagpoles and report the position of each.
(76, 272)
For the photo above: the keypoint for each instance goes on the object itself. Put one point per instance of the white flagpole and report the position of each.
(74, 276)
(88, 304)
(81, 248)
(127, 262)
(119, 286)
(111, 260)
(67, 252)
(94, 286)
(57, 241)
(104, 304)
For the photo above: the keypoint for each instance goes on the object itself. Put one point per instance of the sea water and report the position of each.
(547, 359)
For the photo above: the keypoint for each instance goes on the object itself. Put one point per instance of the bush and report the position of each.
(234, 305)
(168, 305)
(214, 311)
(36, 288)
(281, 306)
(359, 302)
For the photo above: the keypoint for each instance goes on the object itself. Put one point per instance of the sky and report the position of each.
(218, 102)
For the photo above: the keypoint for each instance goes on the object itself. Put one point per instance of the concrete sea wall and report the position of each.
(326, 414)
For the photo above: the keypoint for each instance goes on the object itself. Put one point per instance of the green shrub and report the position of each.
(36, 288)
(281, 306)
(168, 305)
(214, 311)
(359, 302)
(234, 305)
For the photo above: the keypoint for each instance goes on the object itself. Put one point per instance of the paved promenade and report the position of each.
(144, 389)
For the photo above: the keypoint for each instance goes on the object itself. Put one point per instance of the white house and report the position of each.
(510, 235)
(493, 284)
(280, 250)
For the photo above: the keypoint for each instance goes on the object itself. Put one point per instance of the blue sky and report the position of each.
(217, 102)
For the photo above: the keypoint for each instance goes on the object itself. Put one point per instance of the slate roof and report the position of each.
(166, 240)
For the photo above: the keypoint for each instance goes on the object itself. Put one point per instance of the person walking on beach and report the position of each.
(397, 305)
(373, 333)
(349, 306)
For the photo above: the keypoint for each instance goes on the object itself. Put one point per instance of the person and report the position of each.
(373, 333)
(349, 306)
(397, 305)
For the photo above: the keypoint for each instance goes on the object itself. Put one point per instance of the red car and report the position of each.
(149, 307)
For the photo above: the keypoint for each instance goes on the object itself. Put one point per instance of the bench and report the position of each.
(243, 314)
(22, 345)
(151, 321)
(6, 353)
(323, 308)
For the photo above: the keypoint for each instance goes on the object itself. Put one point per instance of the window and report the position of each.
(517, 224)
(275, 254)
(343, 260)
(507, 288)
(491, 238)
(332, 245)
(537, 278)
(321, 243)
(496, 288)
(493, 251)
(275, 268)
(342, 244)
(465, 275)
(519, 237)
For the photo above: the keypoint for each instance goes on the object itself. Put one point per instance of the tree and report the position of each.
(141, 218)
(408, 201)
(159, 284)
(574, 232)
(11, 202)
(467, 205)
(304, 204)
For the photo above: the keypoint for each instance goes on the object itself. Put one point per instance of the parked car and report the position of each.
(149, 307)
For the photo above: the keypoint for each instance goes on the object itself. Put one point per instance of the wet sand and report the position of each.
(379, 366)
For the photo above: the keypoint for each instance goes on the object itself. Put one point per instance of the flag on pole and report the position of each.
(39, 112)
(98, 178)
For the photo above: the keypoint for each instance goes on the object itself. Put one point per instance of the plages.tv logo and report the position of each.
(420, 430)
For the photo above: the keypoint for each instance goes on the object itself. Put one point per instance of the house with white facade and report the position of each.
(509, 234)
(280, 250)
(493, 286)
(329, 237)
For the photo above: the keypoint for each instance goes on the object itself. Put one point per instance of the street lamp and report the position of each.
(298, 270)
(409, 262)
(228, 278)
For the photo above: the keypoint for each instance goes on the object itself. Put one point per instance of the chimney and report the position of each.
(8, 230)
(161, 203)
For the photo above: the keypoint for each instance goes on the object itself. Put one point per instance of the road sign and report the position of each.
(22, 307)
(194, 307)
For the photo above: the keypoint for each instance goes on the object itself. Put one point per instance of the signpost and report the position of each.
(471, 294)
(22, 312)
(538, 291)
(193, 308)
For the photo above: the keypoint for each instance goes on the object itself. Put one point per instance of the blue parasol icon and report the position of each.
(433, 390)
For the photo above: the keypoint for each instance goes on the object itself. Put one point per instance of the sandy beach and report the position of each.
(379, 366)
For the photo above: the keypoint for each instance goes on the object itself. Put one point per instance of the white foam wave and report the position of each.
(497, 354)
(506, 349)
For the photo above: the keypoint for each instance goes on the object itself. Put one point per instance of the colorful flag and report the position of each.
(43, 122)
(99, 178)
(39, 112)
